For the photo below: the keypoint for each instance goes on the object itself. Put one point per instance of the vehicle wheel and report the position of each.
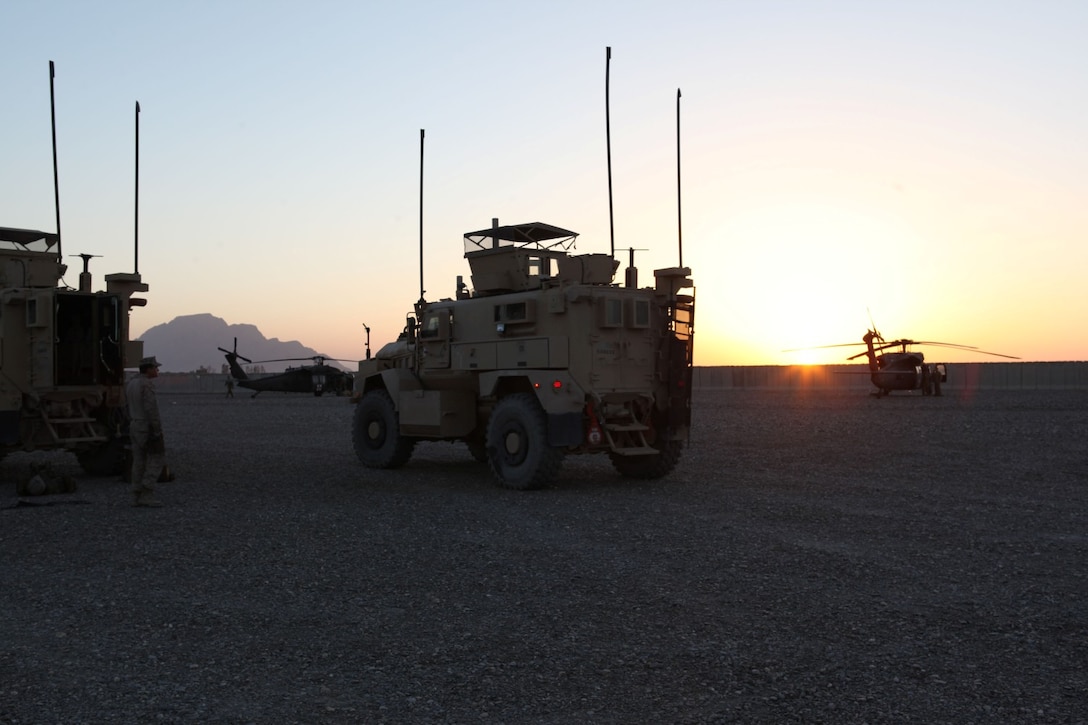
(517, 444)
(651, 466)
(375, 433)
(108, 459)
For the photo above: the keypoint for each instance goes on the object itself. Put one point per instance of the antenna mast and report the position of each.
(56, 180)
(608, 144)
(421, 215)
(679, 216)
(136, 220)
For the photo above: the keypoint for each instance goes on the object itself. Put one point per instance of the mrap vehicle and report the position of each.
(63, 351)
(63, 354)
(543, 357)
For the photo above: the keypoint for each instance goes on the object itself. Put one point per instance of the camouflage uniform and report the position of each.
(145, 429)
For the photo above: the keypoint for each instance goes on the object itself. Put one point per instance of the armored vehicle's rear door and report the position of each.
(88, 334)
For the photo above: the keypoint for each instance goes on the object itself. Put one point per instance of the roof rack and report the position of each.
(23, 238)
(533, 234)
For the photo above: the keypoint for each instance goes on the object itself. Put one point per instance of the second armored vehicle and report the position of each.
(543, 357)
(63, 354)
(63, 351)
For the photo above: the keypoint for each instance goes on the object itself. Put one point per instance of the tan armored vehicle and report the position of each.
(62, 354)
(544, 356)
(63, 351)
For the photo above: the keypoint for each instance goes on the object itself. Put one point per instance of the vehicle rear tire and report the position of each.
(517, 444)
(375, 433)
(648, 467)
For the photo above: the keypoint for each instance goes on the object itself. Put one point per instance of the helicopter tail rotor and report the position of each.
(234, 353)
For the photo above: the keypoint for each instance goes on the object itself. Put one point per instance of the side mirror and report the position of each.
(411, 329)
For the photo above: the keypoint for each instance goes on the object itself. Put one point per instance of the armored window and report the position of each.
(611, 312)
(38, 311)
(640, 313)
(513, 312)
(430, 326)
(539, 267)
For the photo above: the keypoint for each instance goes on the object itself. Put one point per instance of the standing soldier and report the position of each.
(148, 447)
(230, 387)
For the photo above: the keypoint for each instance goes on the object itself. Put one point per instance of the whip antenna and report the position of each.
(136, 219)
(679, 216)
(608, 145)
(421, 215)
(56, 180)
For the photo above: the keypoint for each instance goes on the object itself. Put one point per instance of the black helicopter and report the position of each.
(318, 378)
(905, 369)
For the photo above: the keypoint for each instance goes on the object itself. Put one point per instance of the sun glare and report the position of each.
(802, 274)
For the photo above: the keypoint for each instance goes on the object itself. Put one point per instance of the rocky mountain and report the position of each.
(189, 342)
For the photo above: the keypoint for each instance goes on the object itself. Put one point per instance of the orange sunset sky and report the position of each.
(924, 161)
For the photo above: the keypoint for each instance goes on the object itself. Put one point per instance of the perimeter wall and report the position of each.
(961, 376)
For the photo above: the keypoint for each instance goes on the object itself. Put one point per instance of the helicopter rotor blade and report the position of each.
(957, 346)
(286, 359)
(968, 348)
(998, 354)
(316, 359)
(872, 325)
(823, 347)
(879, 344)
(946, 344)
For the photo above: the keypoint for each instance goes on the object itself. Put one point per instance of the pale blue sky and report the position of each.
(925, 160)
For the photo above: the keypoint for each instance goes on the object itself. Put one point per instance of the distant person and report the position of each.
(230, 387)
(145, 428)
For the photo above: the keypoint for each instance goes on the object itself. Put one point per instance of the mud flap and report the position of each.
(565, 429)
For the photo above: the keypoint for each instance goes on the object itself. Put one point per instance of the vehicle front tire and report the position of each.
(375, 432)
(517, 444)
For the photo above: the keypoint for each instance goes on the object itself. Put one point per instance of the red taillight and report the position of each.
(557, 385)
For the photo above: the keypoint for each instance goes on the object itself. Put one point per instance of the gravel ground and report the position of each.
(816, 557)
